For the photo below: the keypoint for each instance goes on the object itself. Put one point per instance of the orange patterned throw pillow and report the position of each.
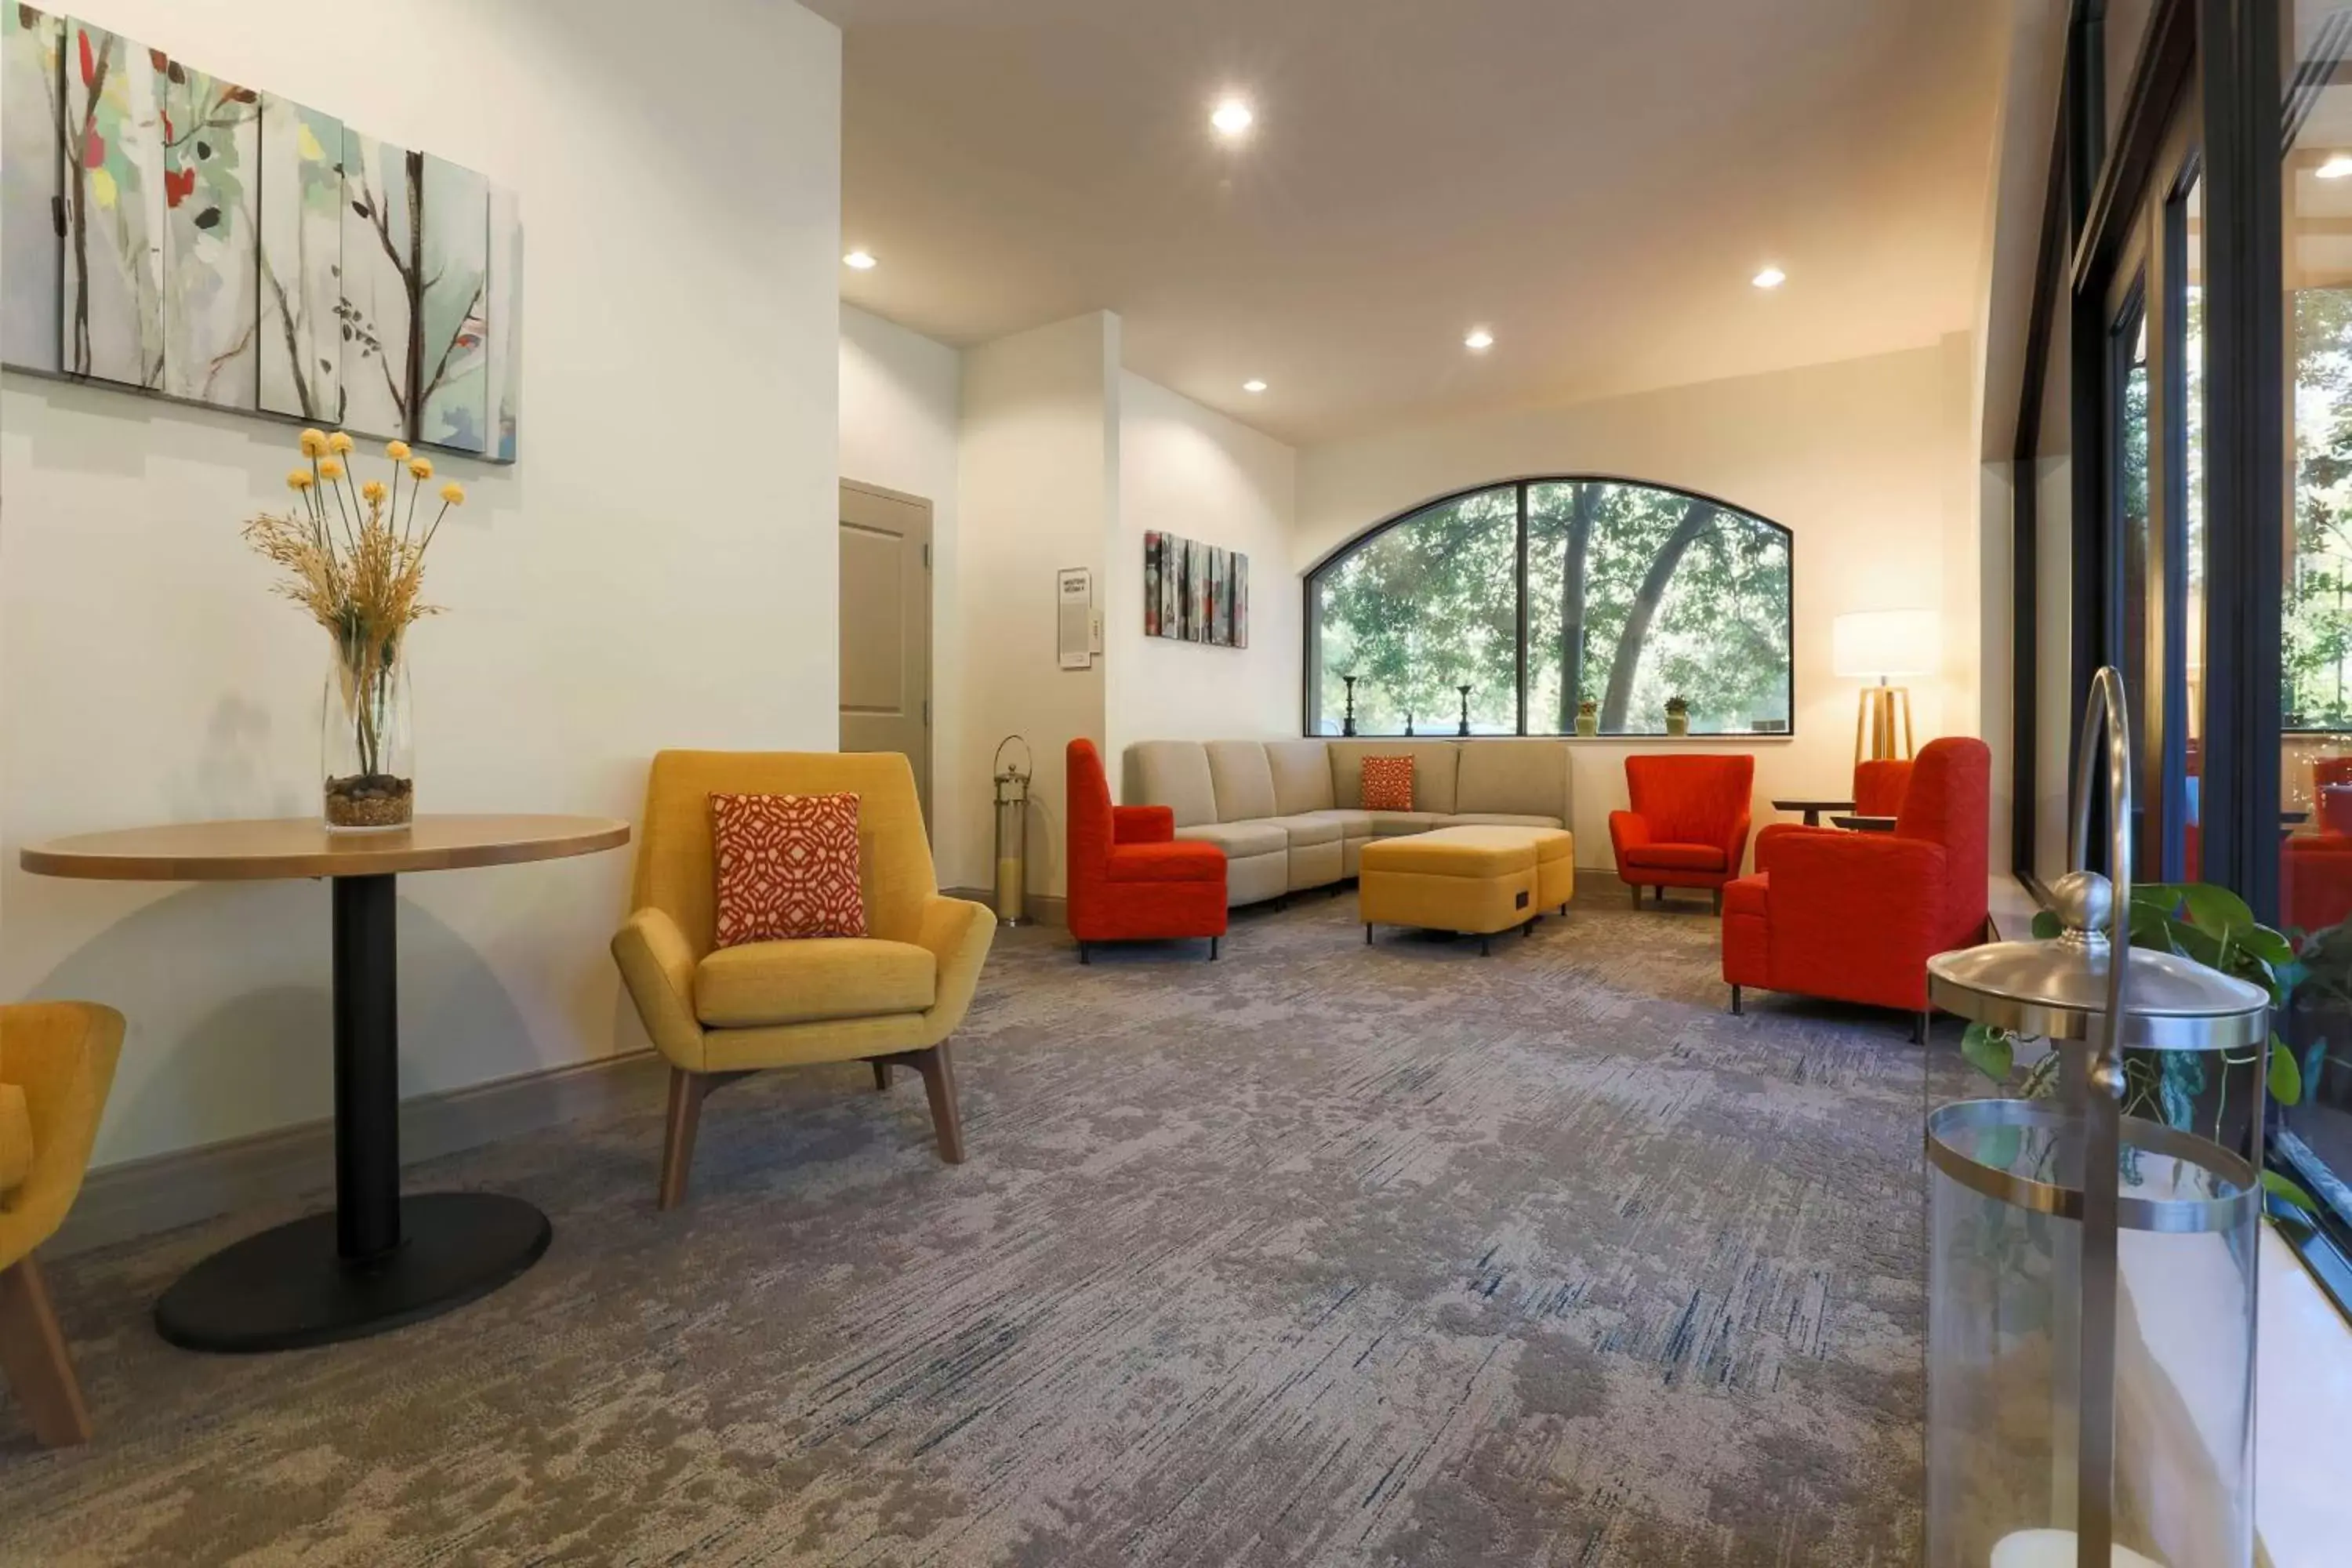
(787, 867)
(1388, 783)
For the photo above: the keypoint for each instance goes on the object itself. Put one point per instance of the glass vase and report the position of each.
(366, 749)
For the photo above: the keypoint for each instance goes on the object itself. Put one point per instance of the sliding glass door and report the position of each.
(2147, 594)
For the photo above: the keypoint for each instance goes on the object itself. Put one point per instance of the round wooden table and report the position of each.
(379, 1260)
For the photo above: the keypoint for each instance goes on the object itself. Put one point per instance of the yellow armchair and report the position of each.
(56, 1063)
(892, 997)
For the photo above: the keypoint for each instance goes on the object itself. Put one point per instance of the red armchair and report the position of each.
(1856, 916)
(2316, 868)
(1688, 825)
(1131, 879)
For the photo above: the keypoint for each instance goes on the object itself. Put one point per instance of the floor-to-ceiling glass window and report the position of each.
(2316, 589)
(2242, 778)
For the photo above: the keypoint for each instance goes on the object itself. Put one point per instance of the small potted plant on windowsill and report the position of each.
(1588, 716)
(1677, 715)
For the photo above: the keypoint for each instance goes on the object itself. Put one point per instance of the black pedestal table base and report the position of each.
(378, 1262)
(287, 1288)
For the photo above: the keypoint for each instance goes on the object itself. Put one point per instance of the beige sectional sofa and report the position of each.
(1289, 813)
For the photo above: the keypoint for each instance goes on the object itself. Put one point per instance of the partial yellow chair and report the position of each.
(56, 1063)
(891, 998)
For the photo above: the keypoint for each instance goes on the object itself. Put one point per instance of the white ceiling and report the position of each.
(1595, 179)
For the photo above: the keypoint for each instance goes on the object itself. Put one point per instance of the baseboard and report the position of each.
(1045, 908)
(140, 1197)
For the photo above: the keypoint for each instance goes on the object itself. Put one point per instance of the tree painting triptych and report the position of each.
(166, 231)
(1195, 592)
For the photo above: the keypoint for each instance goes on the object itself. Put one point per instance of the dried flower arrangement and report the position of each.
(354, 558)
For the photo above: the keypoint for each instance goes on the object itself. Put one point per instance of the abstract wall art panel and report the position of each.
(455, 374)
(211, 297)
(32, 172)
(380, 203)
(169, 231)
(505, 354)
(1221, 626)
(1151, 583)
(112, 323)
(301, 261)
(1195, 592)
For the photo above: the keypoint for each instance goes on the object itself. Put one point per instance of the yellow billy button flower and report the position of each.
(421, 470)
(374, 490)
(396, 450)
(314, 442)
(338, 444)
(330, 469)
(300, 479)
(454, 493)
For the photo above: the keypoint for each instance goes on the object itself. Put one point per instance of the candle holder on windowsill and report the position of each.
(1348, 727)
(1465, 710)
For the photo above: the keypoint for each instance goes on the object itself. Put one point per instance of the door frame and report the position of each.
(931, 778)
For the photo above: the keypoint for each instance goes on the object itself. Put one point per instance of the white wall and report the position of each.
(1187, 470)
(658, 570)
(1868, 462)
(1040, 491)
(901, 414)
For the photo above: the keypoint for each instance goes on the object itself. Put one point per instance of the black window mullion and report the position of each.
(2245, 432)
(1522, 654)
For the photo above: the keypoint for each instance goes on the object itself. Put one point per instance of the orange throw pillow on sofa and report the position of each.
(787, 867)
(1388, 783)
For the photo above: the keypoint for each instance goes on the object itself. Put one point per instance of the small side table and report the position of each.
(378, 1261)
(1864, 824)
(1812, 808)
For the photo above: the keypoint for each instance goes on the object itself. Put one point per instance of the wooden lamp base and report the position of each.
(1881, 724)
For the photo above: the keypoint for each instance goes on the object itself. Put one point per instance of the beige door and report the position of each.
(886, 627)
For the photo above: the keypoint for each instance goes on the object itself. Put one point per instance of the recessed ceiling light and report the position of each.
(1770, 278)
(863, 261)
(1231, 117)
(1479, 340)
(2335, 167)
(1252, 386)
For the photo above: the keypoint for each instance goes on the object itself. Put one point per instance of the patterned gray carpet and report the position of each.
(1322, 1255)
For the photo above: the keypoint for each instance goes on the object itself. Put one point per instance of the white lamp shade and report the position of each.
(1874, 644)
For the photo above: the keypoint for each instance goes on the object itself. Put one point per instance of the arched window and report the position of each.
(1540, 594)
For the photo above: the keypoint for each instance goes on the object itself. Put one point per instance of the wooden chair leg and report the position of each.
(1635, 889)
(882, 1076)
(939, 1083)
(33, 1354)
(1736, 1008)
(686, 1092)
(1213, 950)
(1718, 901)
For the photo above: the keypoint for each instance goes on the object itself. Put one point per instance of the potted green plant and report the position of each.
(1677, 715)
(2214, 927)
(1588, 716)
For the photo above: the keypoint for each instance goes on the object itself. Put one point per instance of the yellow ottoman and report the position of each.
(1476, 880)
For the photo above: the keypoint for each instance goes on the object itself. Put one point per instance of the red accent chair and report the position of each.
(1878, 787)
(1856, 916)
(1131, 878)
(1688, 825)
(2316, 868)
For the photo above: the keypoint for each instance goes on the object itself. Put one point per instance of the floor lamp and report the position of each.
(1884, 645)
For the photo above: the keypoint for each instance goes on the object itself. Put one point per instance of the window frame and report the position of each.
(1310, 618)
